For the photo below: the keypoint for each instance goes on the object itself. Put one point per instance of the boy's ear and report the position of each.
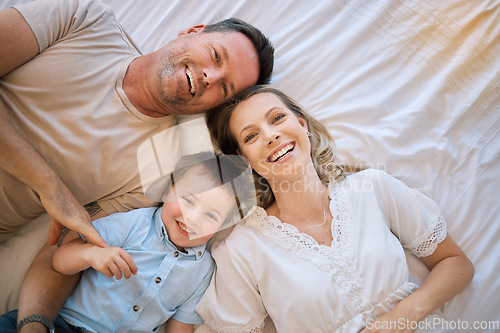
(193, 30)
(170, 188)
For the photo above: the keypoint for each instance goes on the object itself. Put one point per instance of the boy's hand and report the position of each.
(112, 261)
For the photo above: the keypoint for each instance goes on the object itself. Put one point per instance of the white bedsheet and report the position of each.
(411, 87)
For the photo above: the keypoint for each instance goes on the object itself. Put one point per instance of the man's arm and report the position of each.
(18, 157)
(44, 290)
(17, 41)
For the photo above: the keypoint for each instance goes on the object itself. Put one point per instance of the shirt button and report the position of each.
(176, 254)
(158, 280)
(136, 308)
(199, 254)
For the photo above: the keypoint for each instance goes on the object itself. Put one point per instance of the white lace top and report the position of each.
(267, 267)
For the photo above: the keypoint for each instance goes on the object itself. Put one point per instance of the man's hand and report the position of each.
(65, 210)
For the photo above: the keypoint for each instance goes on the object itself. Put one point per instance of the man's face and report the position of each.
(198, 71)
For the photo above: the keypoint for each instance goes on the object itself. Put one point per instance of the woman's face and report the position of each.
(271, 137)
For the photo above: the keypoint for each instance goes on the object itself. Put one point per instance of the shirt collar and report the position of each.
(196, 252)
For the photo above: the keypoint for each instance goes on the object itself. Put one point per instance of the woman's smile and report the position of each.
(282, 153)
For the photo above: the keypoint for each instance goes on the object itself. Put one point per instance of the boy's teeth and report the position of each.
(185, 228)
(282, 152)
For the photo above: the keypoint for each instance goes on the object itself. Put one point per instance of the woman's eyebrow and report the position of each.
(265, 116)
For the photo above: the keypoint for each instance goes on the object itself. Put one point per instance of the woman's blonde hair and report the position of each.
(322, 144)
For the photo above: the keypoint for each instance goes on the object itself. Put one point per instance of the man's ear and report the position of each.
(193, 30)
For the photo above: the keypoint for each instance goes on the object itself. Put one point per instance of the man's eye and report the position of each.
(224, 88)
(217, 57)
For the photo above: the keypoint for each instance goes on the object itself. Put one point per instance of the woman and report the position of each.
(324, 251)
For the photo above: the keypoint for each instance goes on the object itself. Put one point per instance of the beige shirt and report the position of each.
(69, 104)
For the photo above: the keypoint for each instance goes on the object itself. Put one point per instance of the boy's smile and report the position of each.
(195, 208)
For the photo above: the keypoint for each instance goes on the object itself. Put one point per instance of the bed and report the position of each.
(411, 87)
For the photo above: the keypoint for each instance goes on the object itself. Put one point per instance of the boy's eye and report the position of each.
(212, 217)
(189, 201)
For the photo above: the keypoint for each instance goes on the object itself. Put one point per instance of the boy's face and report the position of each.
(194, 209)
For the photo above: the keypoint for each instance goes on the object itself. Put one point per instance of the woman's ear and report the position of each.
(243, 157)
(303, 123)
(193, 30)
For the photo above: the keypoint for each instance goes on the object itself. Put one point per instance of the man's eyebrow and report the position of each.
(227, 60)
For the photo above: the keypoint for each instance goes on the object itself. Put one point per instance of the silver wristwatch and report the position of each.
(40, 318)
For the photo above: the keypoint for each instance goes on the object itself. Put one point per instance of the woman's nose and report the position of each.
(272, 137)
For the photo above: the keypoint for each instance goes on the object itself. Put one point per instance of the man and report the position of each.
(76, 100)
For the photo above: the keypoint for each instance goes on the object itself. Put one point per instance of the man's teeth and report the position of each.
(281, 153)
(191, 81)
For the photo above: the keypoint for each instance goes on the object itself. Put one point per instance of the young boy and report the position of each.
(160, 252)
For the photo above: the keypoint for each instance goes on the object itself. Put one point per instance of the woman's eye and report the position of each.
(249, 137)
(279, 116)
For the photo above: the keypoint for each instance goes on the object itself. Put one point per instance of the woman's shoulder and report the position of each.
(256, 216)
(245, 232)
(368, 173)
(360, 177)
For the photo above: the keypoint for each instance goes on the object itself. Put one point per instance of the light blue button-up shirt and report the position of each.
(169, 283)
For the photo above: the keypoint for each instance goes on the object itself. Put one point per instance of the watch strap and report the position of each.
(40, 318)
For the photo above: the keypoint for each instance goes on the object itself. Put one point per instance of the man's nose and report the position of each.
(212, 75)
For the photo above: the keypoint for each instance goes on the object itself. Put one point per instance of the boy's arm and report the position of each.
(76, 256)
(174, 326)
(44, 290)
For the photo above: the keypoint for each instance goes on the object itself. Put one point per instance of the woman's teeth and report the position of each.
(281, 153)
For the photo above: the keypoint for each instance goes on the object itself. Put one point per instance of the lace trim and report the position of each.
(255, 327)
(348, 277)
(290, 238)
(337, 259)
(427, 244)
